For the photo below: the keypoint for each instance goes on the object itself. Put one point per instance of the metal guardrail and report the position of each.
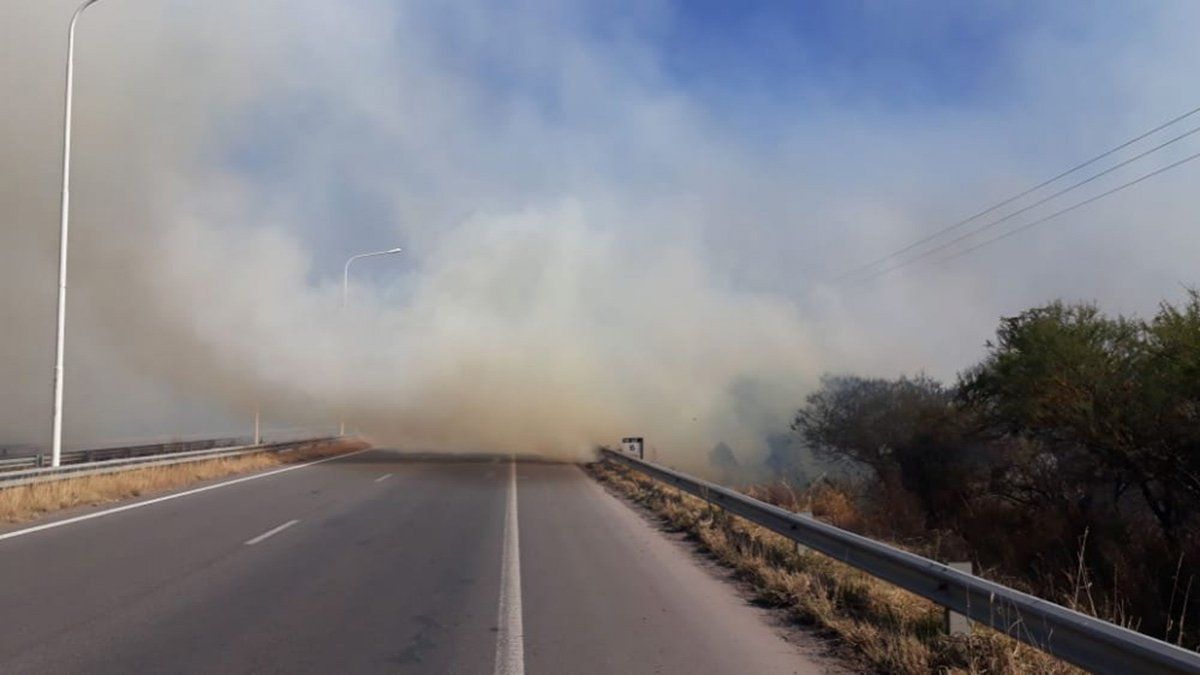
(40, 475)
(1080, 639)
(102, 454)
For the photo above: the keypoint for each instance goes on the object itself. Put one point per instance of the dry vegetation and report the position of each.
(30, 501)
(1078, 429)
(884, 628)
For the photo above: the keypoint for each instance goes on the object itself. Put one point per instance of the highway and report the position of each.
(376, 562)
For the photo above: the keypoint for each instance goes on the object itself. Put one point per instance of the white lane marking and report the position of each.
(383, 478)
(271, 532)
(177, 495)
(510, 639)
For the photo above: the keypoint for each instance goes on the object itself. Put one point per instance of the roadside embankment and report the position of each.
(884, 628)
(26, 502)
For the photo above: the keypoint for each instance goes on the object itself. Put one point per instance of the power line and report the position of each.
(1006, 202)
(1010, 216)
(1072, 207)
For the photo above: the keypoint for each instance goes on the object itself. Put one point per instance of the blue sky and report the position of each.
(761, 60)
(902, 54)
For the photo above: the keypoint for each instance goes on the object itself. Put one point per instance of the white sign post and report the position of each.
(633, 446)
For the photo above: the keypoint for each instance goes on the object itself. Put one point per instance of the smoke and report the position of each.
(532, 310)
(593, 249)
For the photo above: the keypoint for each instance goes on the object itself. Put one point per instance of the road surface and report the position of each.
(376, 562)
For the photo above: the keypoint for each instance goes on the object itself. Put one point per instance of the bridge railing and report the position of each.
(101, 466)
(102, 454)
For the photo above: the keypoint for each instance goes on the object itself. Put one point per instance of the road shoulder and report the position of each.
(810, 646)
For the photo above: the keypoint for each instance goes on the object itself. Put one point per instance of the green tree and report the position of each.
(1168, 421)
(909, 432)
(1110, 403)
(1061, 376)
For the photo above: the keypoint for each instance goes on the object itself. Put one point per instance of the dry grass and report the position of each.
(26, 502)
(884, 628)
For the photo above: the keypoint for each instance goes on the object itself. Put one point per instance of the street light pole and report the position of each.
(346, 301)
(64, 221)
(346, 271)
(61, 330)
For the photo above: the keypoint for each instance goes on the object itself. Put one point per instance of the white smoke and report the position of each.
(590, 250)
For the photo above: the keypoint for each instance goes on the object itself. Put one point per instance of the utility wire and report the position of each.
(1006, 202)
(1014, 214)
(1072, 207)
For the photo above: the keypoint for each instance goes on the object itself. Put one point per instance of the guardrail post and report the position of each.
(39, 460)
(954, 623)
(710, 512)
(801, 548)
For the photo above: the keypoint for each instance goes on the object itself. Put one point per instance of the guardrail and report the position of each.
(1080, 639)
(102, 454)
(40, 475)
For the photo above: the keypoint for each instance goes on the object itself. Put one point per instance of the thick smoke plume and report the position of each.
(592, 250)
(532, 310)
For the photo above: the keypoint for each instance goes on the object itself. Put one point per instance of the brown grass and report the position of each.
(26, 502)
(881, 627)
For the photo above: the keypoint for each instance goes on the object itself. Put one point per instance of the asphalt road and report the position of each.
(377, 563)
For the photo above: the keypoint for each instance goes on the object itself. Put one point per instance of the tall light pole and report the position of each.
(61, 332)
(346, 300)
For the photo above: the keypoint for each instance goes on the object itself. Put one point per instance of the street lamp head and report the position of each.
(394, 250)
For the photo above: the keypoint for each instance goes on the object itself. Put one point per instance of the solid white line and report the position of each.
(383, 478)
(177, 495)
(271, 532)
(510, 639)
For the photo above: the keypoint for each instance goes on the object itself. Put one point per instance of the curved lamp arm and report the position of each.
(346, 271)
